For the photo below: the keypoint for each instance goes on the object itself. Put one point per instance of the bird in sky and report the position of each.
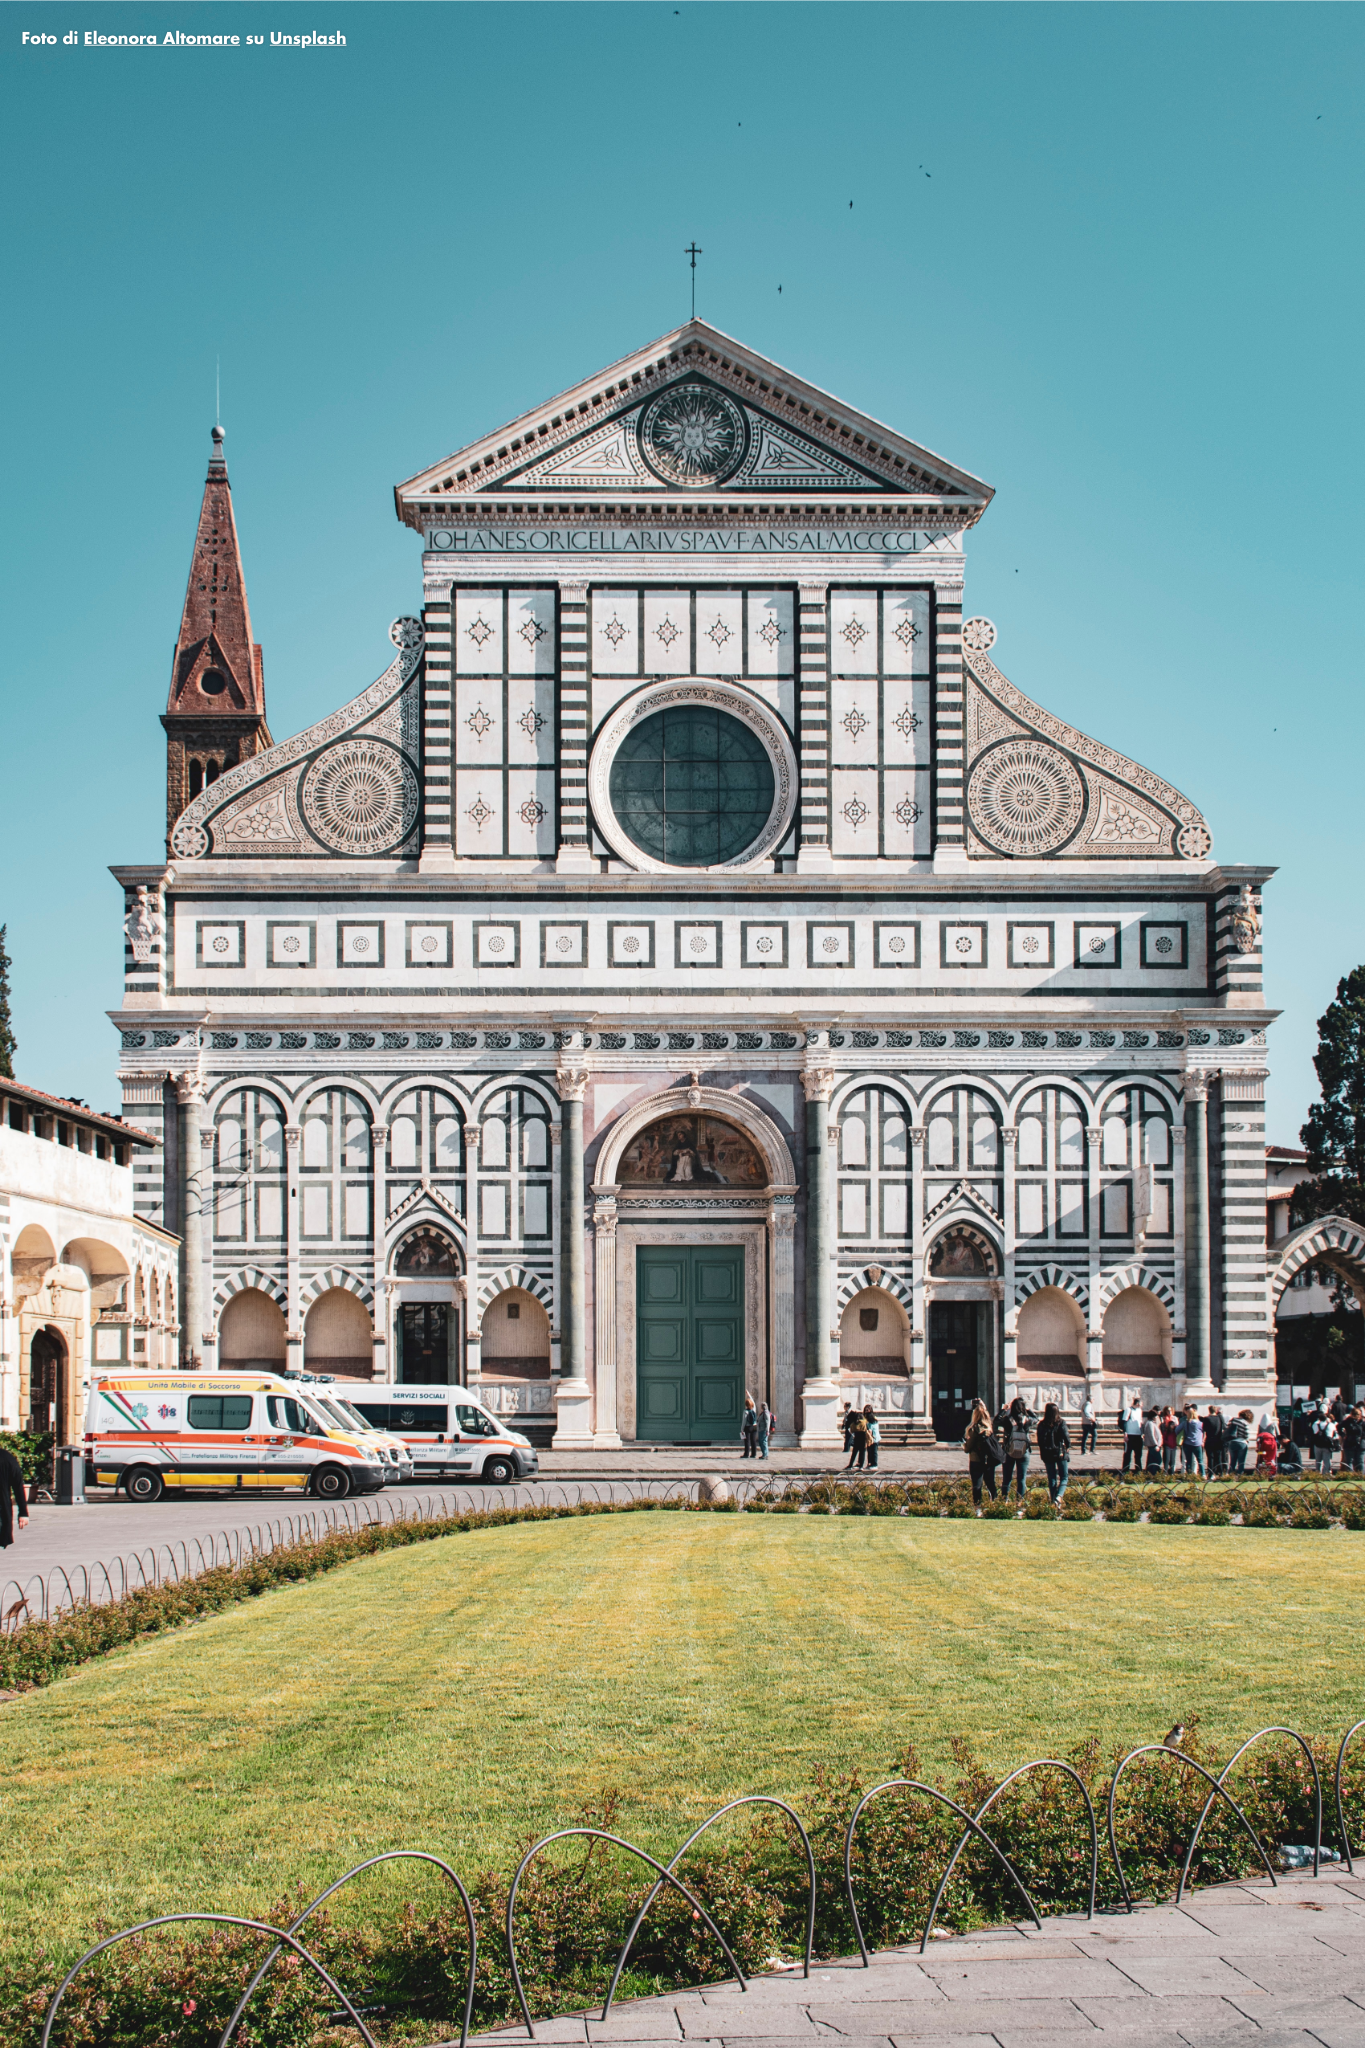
(1174, 1736)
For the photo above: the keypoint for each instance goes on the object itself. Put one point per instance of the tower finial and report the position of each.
(217, 461)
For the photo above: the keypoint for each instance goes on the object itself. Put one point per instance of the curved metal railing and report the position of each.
(1236, 1757)
(973, 1828)
(1341, 1810)
(1165, 1749)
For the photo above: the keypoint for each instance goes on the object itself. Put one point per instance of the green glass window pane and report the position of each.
(693, 787)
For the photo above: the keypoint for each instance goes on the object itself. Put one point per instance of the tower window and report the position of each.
(211, 773)
(213, 682)
(196, 777)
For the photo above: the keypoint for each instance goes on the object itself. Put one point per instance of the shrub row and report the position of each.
(406, 1966)
(39, 1651)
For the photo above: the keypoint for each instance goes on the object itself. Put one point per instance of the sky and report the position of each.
(1107, 257)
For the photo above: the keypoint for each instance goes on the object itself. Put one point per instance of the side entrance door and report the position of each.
(957, 1360)
(689, 1360)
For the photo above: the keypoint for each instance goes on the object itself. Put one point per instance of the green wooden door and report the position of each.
(689, 1362)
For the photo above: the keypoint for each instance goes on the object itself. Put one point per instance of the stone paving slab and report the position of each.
(1238, 1966)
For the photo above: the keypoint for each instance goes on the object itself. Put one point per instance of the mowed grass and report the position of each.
(463, 1694)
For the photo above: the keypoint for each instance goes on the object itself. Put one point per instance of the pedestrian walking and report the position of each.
(1054, 1441)
(1132, 1438)
(1017, 1441)
(1192, 1442)
(846, 1425)
(1324, 1442)
(874, 1435)
(1215, 1441)
(859, 1430)
(983, 1451)
(749, 1428)
(1089, 1425)
(1238, 1441)
(12, 1496)
(764, 1427)
(1151, 1439)
(1170, 1438)
(1353, 1440)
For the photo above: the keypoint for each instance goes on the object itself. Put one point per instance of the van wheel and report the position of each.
(499, 1471)
(331, 1483)
(143, 1484)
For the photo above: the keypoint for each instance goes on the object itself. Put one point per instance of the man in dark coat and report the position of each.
(11, 1492)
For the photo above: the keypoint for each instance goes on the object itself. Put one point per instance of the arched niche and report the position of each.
(1050, 1336)
(1137, 1336)
(515, 1337)
(874, 1337)
(962, 1253)
(251, 1332)
(338, 1336)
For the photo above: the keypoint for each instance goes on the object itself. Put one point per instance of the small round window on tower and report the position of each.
(213, 682)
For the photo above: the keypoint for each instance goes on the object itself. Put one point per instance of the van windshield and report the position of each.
(336, 1413)
(355, 1420)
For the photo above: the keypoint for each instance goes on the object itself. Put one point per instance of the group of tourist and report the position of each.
(756, 1428)
(1320, 1430)
(862, 1436)
(1209, 1444)
(1005, 1443)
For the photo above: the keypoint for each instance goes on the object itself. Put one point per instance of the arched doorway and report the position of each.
(48, 1385)
(963, 1313)
(693, 1269)
(1137, 1336)
(1317, 1289)
(426, 1327)
(251, 1332)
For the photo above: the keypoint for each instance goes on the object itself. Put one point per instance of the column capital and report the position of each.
(379, 1133)
(818, 1083)
(1009, 1132)
(190, 1088)
(571, 1082)
(292, 1134)
(573, 589)
(918, 1134)
(814, 591)
(1196, 1084)
(207, 1135)
(556, 1136)
(473, 1136)
(1093, 1134)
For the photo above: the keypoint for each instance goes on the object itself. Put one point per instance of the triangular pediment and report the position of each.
(694, 416)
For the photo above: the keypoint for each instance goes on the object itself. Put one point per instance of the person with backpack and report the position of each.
(1324, 1442)
(1132, 1438)
(1239, 1441)
(1353, 1440)
(1054, 1441)
(1215, 1435)
(858, 1428)
(1089, 1424)
(874, 1435)
(1018, 1439)
(983, 1451)
(1151, 1438)
(1192, 1442)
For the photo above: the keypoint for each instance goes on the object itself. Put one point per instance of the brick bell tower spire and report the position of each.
(215, 714)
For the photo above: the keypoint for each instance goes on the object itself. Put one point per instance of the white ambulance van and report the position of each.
(328, 1394)
(448, 1431)
(155, 1433)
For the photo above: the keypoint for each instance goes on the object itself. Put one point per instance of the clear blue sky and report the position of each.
(1108, 257)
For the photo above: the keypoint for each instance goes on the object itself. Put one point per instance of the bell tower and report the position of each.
(215, 714)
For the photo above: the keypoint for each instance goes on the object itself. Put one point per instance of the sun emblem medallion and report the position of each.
(693, 434)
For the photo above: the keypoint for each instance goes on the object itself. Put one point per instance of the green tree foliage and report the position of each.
(8, 1045)
(1334, 1134)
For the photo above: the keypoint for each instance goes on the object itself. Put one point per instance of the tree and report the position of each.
(1334, 1134)
(8, 1044)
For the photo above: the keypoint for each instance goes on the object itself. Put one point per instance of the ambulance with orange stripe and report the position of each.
(185, 1433)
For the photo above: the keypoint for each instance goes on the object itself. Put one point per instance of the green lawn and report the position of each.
(461, 1694)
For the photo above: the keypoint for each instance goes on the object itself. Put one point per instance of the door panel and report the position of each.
(689, 1343)
(959, 1346)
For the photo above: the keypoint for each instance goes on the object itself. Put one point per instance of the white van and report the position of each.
(329, 1394)
(150, 1433)
(448, 1431)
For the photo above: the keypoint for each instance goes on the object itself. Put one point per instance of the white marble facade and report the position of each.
(982, 1011)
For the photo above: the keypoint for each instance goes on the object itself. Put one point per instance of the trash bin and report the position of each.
(71, 1476)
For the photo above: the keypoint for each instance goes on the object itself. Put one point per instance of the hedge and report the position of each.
(176, 1989)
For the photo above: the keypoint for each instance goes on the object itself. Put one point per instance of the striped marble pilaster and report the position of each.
(813, 720)
(436, 707)
(574, 851)
(949, 730)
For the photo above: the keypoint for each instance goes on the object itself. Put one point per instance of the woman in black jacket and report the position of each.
(983, 1451)
(12, 1495)
(1054, 1441)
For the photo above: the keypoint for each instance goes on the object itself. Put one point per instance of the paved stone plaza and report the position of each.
(1235, 1964)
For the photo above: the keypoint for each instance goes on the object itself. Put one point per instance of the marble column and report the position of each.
(189, 1091)
(473, 1322)
(1009, 1321)
(605, 1363)
(573, 1396)
(1197, 1290)
(293, 1313)
(919, 1311)
(819, 1395)
(207, 1212)
(380, 1361)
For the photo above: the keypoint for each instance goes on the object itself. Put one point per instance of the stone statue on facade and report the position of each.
(144, 924)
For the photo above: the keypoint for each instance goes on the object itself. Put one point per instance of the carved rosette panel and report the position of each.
(348, 784)
(1039, 788)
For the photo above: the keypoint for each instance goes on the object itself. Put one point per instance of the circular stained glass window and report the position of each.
(692, 787)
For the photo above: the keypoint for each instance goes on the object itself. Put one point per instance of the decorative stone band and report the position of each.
(1029, 795)
(354, 789)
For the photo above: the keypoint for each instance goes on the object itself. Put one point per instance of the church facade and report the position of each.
(693, 966)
